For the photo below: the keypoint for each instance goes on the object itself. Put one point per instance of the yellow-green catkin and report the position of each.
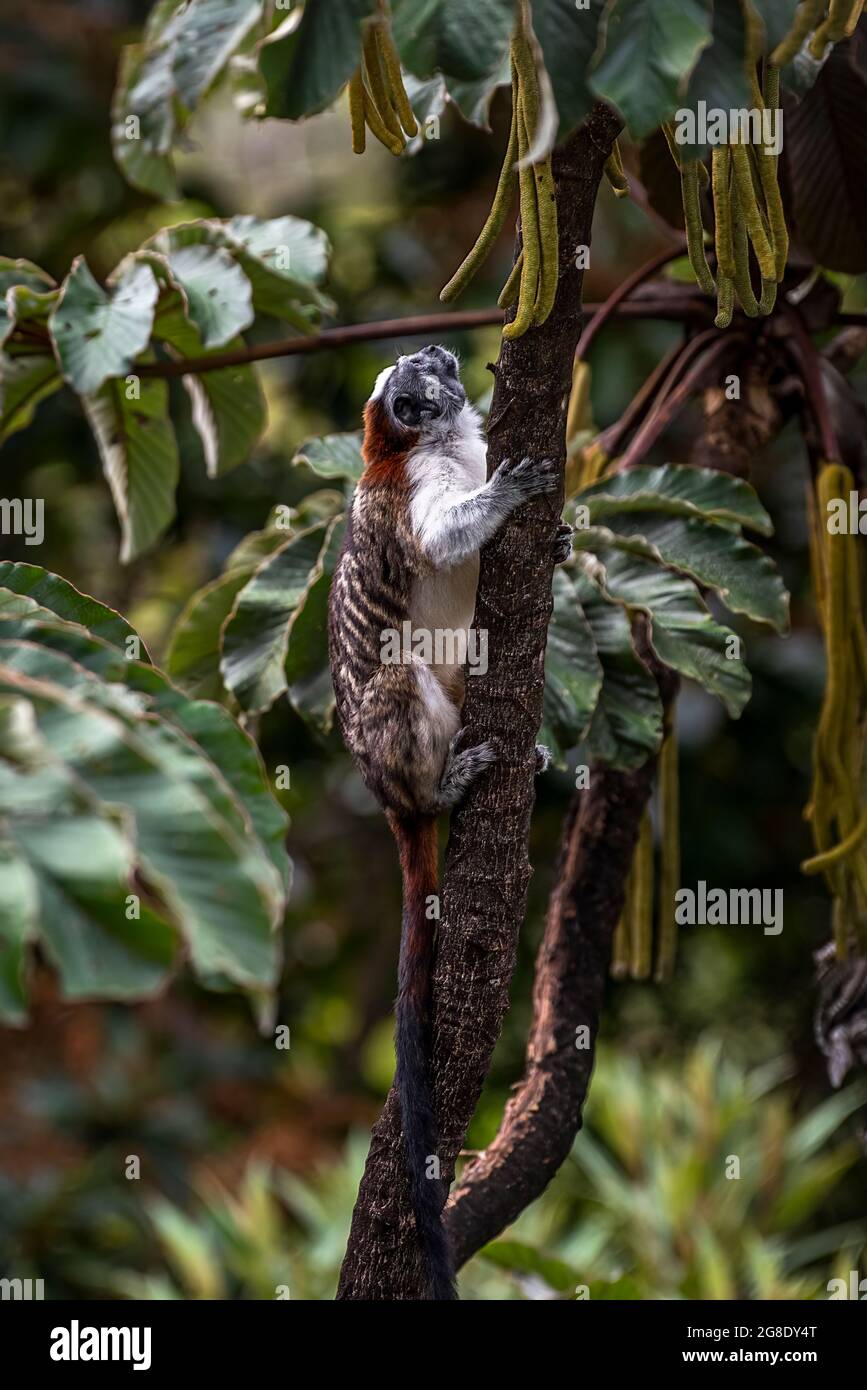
(495, 221)
(694, 228)
(641, 924)
(806, 19)
(669, 859)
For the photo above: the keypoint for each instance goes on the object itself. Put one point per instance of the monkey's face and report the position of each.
(423, 392)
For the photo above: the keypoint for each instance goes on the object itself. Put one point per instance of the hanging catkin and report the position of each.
(532, 284)
(838, 807)
(377, 97)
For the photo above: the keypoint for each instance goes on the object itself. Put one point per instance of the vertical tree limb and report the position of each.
(487, 868)
(544, 1115)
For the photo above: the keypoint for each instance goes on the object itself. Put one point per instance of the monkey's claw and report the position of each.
(543, 758)
(563, 544)
(531, 477)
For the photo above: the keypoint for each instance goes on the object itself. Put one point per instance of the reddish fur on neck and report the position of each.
(384, 450)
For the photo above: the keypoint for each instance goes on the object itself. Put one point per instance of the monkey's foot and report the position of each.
(462, 770)
(543, 754)
(562, 544)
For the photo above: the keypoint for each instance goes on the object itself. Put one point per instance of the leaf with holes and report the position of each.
(98, 333)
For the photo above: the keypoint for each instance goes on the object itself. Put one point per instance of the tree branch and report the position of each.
(672, 305)
(487, 867)
(544, 1115)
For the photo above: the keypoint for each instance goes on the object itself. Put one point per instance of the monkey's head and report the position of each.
(421, 395)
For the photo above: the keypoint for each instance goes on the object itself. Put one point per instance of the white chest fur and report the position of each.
(442, 474)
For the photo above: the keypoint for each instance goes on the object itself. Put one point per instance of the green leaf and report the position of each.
(193, 658)
(256, 636)
(651, 47)
(24, 382)
(192, 834)
(97, 333)
(30, 589)
(627, 722)
(284, 259)
(306, 65)
(464, 39)
(145, 120)
(211, 728)
(745, 579)
(520, 1258)
(228, 405)
(333, 456)
(218, 298)
(816, 1128)
(15, 274)
(308, 674)
(679, 489)
(568, 37)
(210, 32)
(683, 633)
(573, 672)
(19, 906)
(139, 458)
(721, 78)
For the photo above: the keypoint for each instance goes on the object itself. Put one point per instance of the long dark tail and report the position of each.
(417, 844)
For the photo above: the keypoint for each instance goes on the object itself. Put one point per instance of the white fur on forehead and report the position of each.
(380, 384)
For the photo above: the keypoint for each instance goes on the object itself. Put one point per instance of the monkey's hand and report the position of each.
(563, 544)
(528, 478)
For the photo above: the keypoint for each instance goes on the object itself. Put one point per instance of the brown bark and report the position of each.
(544, 1115)
(487, 867)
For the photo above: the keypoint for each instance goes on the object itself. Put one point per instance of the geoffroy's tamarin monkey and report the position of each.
(421, 511)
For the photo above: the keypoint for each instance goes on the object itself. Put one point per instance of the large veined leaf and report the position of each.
(193, 658)
(211, 728)
(720, 78)
(746, 579)
(463, 39)
(183, 814)
(678, 489)
(573, 672)
(209, 33)
(218, 297)
(651, 47)
(98, 333)
(31, 590)
(185, 48)
(683, 633)
(284, 259)
(228, 405)
(145, 116)
(568, 36)
(627, 722)
(256, 636)
(333, 456)
(130, 421)
(305, 64)
(825, 160)
(307, 670)
(24, 382)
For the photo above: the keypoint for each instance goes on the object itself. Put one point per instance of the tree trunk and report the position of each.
(487, 868)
